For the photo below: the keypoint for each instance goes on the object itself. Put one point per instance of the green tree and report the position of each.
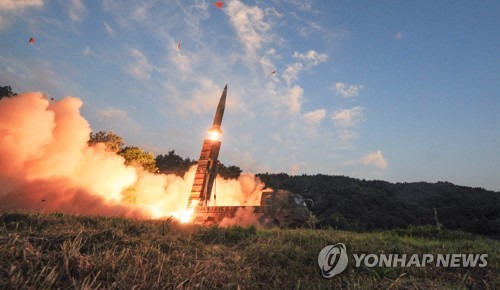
(6, 92)
(113, 142)
(135, 156)
(228, 171)
(172, 163)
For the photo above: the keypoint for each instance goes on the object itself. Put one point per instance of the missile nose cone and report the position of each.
(225, 88)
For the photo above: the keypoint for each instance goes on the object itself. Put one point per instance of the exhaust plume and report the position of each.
(244, 216)
(46, 165)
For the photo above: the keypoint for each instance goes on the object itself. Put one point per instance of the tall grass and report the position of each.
(64, 251)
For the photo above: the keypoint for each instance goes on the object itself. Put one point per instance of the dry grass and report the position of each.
(63, 251)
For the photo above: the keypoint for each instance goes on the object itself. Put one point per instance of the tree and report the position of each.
(6, 92)
(135, 156)
(228, 171)
(172, 163)
(113, 142)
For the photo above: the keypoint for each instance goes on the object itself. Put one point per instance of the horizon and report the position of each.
(399, 92)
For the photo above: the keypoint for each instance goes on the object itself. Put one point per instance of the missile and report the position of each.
(219, 113)
(207, 164)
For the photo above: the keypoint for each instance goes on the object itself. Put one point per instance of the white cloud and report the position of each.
(302, 4)
(348, 117)
(76, 10)
(118, 118)
(293, 99)
(109, 30)
(204, 99)
(139, 67)
(13, 10)
(132, 13)
(11, 5)
(304, 61)
(182, 62)
(111, 113)
(249, 24)
(347, 91)
(267, 65)
(201, 8)
(86, 51)
(141, 10)
(32, 75)
(375, 158)
(294, 169)
(347, 135)
(311, 58)
(292, 71)
(314, 117)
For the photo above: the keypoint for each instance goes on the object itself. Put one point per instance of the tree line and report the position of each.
(169, 163)
(348, 203)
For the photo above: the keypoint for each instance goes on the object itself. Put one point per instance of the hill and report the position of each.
(360, 205)
(63, 251)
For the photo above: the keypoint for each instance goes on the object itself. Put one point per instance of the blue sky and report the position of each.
(393, 90)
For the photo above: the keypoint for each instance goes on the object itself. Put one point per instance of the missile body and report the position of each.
(207, 164)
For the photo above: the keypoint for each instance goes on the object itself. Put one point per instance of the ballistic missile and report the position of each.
(206, 171)
(219, 113)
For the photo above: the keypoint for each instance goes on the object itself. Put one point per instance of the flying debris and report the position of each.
(274, 72)
(219, 4)
(178, 45)
(32, 40)
(51, 99)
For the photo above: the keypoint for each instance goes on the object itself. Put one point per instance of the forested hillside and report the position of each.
(353, 204)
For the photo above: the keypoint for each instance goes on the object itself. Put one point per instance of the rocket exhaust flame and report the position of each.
(47, 166)
(185, 215)
(214, 136)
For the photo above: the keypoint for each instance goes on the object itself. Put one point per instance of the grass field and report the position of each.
(63, 251)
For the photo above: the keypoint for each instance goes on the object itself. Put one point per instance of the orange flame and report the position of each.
(185, 215)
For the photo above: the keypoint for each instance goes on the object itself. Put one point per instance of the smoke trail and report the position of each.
(46, 165)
